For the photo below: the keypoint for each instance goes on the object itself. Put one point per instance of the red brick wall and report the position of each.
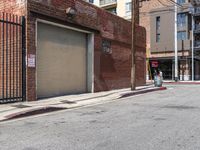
(111, 71)
(16, 7)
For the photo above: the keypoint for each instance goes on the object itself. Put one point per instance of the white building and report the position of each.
(121, 8)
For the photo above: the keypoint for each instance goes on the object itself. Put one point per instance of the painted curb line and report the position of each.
(16, 115)
(142, 92)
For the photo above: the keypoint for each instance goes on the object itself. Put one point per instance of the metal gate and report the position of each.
(12, 58)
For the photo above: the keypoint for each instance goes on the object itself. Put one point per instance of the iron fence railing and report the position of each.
(12, 58)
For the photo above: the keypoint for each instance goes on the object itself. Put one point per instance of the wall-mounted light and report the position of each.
(70, 12)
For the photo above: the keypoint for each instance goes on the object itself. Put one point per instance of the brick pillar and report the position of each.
(31, 50)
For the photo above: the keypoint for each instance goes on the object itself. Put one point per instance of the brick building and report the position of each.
(98, 44)
(160, 42)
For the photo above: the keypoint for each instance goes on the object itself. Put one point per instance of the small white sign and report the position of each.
(31, 60)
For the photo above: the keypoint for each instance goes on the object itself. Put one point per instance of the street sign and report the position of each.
(154, 64)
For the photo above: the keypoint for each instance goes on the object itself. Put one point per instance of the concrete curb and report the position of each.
(79, 104)
(26, 113)
(142, 92)
(182, 83)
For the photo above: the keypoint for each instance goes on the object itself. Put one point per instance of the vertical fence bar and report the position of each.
(17, 58)
(23, 59)
(10, 59)
(6, 60)
(0, 55)
(20, 60)
(13, 68)
(6, 57)
(3, 56)
(1, 35)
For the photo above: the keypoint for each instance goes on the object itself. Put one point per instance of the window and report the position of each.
(180, 1)
(112, 10)
(91, 1)
(157, 37)
(128, 7)
(157, 23)
(197, 10)
(157, 29)
(181, 35)
(181, 20)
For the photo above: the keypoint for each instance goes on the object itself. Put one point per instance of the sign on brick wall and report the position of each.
(31, 60)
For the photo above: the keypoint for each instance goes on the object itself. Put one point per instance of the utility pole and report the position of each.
(175, 41)
(192, 47)
(135, 23)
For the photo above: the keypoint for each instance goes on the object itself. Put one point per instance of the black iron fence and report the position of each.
(12, 58)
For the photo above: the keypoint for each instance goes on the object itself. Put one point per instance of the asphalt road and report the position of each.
(163, 120)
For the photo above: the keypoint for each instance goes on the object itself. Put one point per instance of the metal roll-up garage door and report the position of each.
(61, 61)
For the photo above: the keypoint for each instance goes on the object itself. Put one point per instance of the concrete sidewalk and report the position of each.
(15, 110)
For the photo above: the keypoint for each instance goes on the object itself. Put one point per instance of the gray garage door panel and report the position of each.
(61, 61)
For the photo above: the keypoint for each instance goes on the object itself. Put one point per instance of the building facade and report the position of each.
(196, 37)
(162, 40)
(71, 47)
(158, 19)
(121, 8)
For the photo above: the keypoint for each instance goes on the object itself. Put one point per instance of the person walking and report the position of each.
(161, 74)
